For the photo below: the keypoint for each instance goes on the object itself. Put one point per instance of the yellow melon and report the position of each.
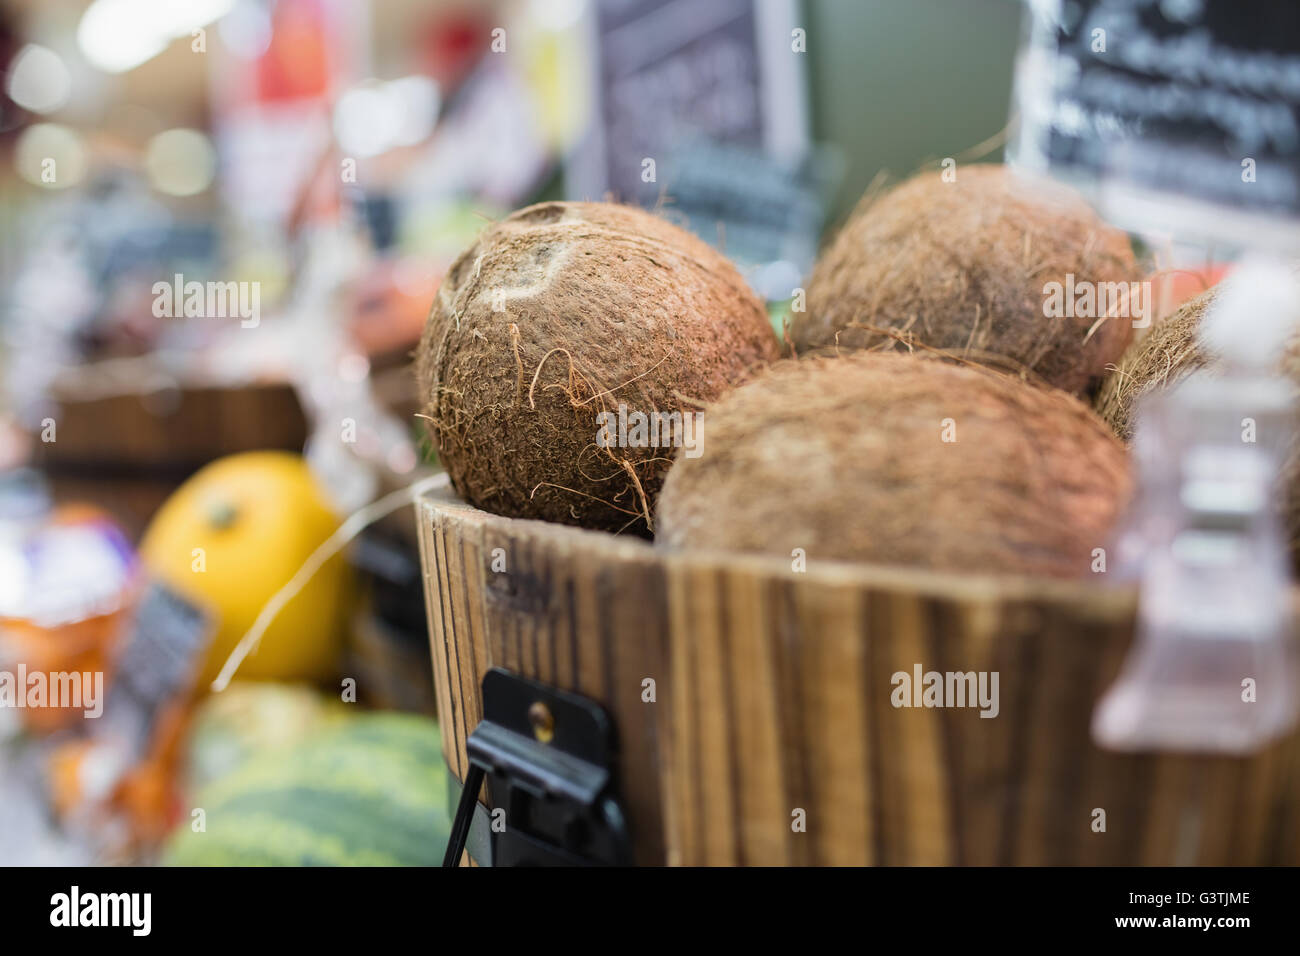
(233, 535)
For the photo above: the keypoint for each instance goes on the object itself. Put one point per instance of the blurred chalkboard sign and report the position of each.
(672, 72)
(1181, 116)
(680, 84)
(765, 214)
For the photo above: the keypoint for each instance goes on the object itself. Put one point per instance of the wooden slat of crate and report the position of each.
(589, 622)
(886, 785)
(176, 429)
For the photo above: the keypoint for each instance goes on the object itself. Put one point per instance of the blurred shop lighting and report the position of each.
(402, 458)
(375, 117)
(50, 155)
(180, 162)
(119, 35)
(556, 15)
(247, 30)
(354, 368)
(39, 80)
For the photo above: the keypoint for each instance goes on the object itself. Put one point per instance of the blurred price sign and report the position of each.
(671, 74)
(163, 655)
(1178, 116)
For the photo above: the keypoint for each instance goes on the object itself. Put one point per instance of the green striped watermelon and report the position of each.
(370, 792)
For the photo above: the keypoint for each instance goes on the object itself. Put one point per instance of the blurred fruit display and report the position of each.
(370, 792)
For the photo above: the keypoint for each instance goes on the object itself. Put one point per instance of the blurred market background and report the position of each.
(320, 163)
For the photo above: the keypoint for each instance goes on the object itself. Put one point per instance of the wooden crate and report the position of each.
(773, 701)
(128, 452)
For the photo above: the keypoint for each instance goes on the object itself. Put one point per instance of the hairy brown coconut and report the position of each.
(562, 311)
(846, 458)
(1164, 356)
(963, 266)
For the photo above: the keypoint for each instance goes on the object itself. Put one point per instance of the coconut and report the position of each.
(967, 266)
(555, 319)
(1166, 355)
(900, 460)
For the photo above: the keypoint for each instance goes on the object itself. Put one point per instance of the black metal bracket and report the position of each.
(548, 756)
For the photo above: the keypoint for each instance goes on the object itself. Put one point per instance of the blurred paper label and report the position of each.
(1179, 116)
(163, 654)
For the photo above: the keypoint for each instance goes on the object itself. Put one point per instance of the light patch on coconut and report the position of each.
(502, 296)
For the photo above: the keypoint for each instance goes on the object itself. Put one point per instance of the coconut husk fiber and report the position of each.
(1167, 355)
(557, 313)
(1164, 356)
(845, 458)
(962, 266)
